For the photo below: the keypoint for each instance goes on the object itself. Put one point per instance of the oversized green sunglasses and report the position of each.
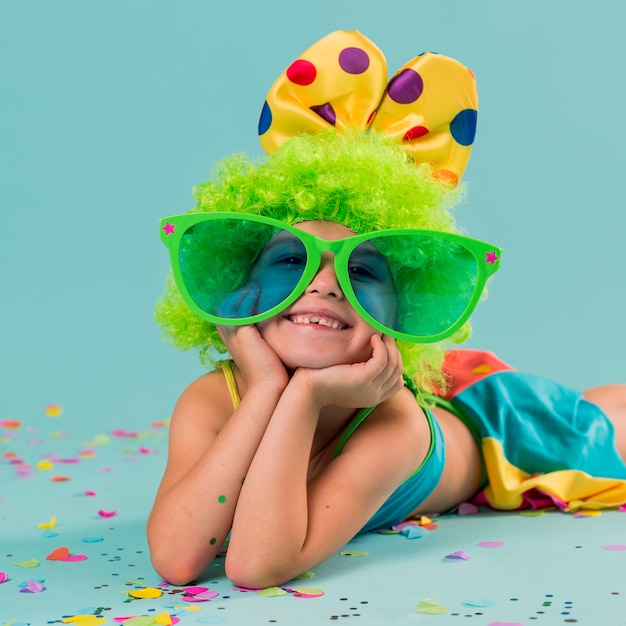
(415, 285)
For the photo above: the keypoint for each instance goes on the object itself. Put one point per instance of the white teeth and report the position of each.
(316, 319)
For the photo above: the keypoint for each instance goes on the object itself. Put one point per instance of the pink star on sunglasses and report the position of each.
(491, 257)
(169, 228)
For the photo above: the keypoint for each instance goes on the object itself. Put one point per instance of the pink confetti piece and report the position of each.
(467, 508)
(143, 450)
(199, 596)
(3, 577)
(103, 513)
(89, 492)
(73, 558)
(491, 544)
(622, 508)
(460, 555)
(614, 546)
(33, 586)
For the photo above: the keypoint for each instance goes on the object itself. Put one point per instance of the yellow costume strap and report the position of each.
(227, 368)
(429, 105)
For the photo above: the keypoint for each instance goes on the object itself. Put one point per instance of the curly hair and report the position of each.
(364, 181)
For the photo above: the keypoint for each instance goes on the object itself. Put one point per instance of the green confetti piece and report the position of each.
(353, 553)
(305, 576)
(222, 499)
(27, 564)
(431, 607)
(272, 592)
(537, 513)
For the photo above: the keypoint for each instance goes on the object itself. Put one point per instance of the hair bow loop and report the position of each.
(338, 81)
(429, 105)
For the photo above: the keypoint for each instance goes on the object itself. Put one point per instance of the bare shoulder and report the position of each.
(200, 413)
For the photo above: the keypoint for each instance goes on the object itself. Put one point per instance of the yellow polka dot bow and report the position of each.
(430, 104)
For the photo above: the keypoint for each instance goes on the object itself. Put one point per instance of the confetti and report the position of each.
(460, 555)
(414, 532)
(89, 492)
(430, 606)
(467, 508)
(32, 586)
(353, 553)
(147, 593)
(3, 577)
(272, 592)
(491, 544)
(53, 410)
(48, 525)
(11, 424)
(479, 602)
(59, 554)
(307, 592)
(103, 513)
(46, 464)
(614, 546)
(30, 563)
(92, 539)
(60, 479)
(85, 620)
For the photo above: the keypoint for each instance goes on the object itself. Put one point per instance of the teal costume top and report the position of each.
(418, 486)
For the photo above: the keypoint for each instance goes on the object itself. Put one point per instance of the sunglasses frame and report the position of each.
(174, 227)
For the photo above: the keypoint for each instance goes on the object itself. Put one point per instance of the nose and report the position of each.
(325, 281)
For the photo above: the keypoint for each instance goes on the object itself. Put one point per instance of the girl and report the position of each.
(332, 273)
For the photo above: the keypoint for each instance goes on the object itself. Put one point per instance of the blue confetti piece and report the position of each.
(92, 539)
(49, 534)
(413, 531)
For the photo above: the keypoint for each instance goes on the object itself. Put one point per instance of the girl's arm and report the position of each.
(285, 523)
(209, 455)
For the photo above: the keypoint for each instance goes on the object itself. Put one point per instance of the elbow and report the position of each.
(174, 571)
(244, 572)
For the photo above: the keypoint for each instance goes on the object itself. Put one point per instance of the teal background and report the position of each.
(110, 112)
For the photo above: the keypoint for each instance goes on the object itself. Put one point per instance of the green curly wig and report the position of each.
(364, 181)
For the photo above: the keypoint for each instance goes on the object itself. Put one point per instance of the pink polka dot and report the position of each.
(301, 72)
(354, 60)
(415, 133)
(405, 87)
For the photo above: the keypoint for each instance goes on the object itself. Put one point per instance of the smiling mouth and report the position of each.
(317, 320)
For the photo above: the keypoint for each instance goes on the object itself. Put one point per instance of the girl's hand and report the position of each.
(358, 384)
(257, 362)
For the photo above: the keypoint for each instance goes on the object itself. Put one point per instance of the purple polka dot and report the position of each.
(354, 60)
(406, 87)
(326, 112)
(265, 121)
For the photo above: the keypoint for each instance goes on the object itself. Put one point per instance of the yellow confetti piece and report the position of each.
(163, 618)
(308, 591)
(48, 525)
(53, 410)
(44, 465)
(430, 606)
(146, 593)
(98, 440)
(353, 553)
(272, 592)
(30, 563)
(583, 513)
(424, 520)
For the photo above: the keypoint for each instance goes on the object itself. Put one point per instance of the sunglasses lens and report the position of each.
(417, 284)
(236, 268)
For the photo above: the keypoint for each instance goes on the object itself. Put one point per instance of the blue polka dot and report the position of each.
(463, 127)
(265, 121)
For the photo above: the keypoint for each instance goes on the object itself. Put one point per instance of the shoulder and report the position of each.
(205, 401)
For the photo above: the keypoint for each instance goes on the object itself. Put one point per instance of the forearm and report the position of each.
(271, 521)
(190, 521)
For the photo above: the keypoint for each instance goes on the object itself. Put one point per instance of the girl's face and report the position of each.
(321, 328)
